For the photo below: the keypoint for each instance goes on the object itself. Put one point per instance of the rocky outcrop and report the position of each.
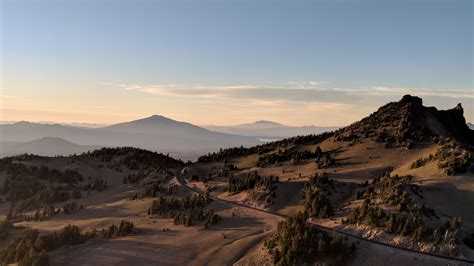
(407, 121)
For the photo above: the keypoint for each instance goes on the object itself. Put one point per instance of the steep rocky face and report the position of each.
(406, 121)
(453, 120)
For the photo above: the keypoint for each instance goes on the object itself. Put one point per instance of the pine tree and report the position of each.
(416, 236)
(41, 259)
(436, 237)
(406, 228)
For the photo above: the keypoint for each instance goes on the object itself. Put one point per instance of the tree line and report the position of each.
(30, 247)
(252, 180)
(225, 154)
(315, 201)
(134, 158)
(297, 243)
(186, 211)
(410, 218)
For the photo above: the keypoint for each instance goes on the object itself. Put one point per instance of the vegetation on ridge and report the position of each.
(30, 247)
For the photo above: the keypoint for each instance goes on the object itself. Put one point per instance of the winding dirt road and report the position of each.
(447, 259)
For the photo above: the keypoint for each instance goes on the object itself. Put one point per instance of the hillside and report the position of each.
(155, 133)
(99, 203)
(48, 146)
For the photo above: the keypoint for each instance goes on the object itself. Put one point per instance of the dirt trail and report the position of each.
(434, 258)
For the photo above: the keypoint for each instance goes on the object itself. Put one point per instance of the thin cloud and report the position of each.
(273, 95)
(384, 90)
(300, 90)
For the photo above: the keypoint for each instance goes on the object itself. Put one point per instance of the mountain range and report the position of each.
(157, 133)
(269, 129)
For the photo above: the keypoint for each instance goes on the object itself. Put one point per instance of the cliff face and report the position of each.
(454, 122)
(407, 121)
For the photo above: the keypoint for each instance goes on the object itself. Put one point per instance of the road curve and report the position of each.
(183, 183)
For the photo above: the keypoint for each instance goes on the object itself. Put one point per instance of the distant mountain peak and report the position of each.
(156, 123)
(261, 124)
(267, 122)
(157, 117)
(23, 123)
(154, 119)
(51, 141)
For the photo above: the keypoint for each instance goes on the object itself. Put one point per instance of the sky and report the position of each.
(229, 62)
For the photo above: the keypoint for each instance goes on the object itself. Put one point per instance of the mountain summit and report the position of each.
(262, 124)
(154, 123)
